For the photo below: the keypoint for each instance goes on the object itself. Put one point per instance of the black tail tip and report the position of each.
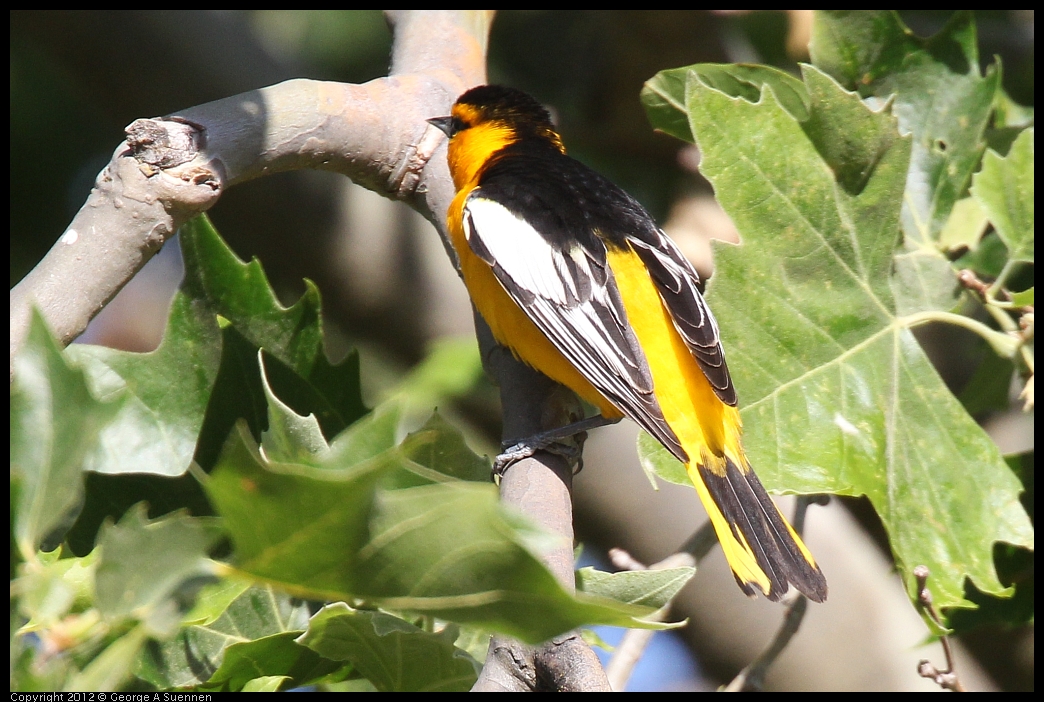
(812, 585)
(816, 590)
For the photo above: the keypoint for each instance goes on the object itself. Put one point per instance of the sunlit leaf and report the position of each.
(651, 588)
(965, 227)
(1004, 189)
(937, 93)
(391, 653)
(289, 437)
(664, 94)
(437, 451)
(167, 394)
(837, 395)
(163, 394)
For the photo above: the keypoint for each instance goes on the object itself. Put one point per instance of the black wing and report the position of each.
(678, 284)
(572, 297)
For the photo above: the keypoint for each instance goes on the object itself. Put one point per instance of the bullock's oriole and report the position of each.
(574, 276)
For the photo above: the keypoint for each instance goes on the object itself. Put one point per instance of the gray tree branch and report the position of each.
(173, 168)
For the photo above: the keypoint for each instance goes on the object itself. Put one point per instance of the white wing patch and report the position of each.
(572, 298)
(515, 245)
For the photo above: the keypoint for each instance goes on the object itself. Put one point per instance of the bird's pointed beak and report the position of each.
(444, 124)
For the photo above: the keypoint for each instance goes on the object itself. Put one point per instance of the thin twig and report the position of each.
(946, 679)
(752, 677)
(997, 301)
(629, 651)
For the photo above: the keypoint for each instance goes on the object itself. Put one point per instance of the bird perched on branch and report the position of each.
(574, 276)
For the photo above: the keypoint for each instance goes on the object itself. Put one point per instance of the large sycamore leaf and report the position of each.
(163, 394)
(941, 100)
(815, 311)
(664, 93)
(179, 403)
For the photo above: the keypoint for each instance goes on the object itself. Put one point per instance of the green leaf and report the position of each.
(987, 259)
(452, 551)
(838, 395)
(213, 599)
(392, 654)
(143, 563)
(649, 588)
(1023, 299)
(237, 394)
(924, 280)
(369, 437)
(198, 652)
(1016, 566)
(1004, 189)
(194, 374)
(180, 402)
(1009, 114)
(109, 496)
(437, 451)
(664, 94)
(163, 394)
(274, 656)
(449, 550)
(937, 94)
(55, 422)
(52, 587)
(965, 227)
(268, 683)
(658, 463)
(290, 437)
(241, 294)
(296, 524)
